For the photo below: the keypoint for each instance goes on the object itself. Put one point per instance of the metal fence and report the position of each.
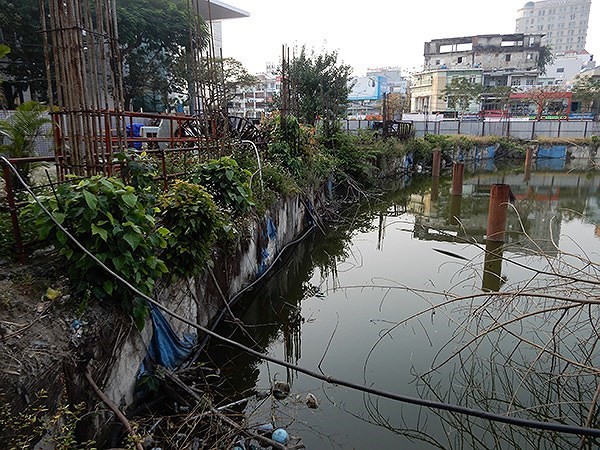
(517, 129)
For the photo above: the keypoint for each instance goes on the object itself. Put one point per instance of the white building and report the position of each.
(214, 12)
(566, 67)
(564, 23)
(257, 101)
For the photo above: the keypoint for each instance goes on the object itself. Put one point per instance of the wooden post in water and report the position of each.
(437, 163)
(458, 170)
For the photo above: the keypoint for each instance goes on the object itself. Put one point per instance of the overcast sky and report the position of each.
(369, 34)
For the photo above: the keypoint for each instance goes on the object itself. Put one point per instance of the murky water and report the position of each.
(394, 297)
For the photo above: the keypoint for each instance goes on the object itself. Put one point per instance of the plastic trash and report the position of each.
(280, 435)
(281, 390)
(311, 401)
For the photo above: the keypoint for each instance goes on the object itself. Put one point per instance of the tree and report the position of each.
(154, 35)
(319, 86)
(587, 90)
(460, 93)
(545, 57)
(155, 42)
(25, 68)
(228, 73)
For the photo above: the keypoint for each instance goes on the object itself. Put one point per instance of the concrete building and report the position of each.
(564, 23)
(489, 52)
(427, 88)
(257, 101)
(566, 67)
(215, 11)
(490, 60)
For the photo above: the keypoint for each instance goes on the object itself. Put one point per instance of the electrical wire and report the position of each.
(516, 421)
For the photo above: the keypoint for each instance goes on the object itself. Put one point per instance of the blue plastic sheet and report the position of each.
(166, 348)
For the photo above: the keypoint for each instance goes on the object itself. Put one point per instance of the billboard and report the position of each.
(367, 88)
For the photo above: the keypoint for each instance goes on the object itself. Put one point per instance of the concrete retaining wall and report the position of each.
(199, 300)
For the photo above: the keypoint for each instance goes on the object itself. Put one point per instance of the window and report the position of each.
(529, 56)
(459, 60)
(437, 62)
(560, 70)
(515, 82)
(529, 82)
(507, 58)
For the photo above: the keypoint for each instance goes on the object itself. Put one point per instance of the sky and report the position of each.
(368, 34)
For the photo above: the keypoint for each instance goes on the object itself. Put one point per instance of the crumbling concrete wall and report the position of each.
(199, 299)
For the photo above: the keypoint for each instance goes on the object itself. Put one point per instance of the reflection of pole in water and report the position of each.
(437, 163)
(528, 162)
(435, 189)
(381, 231)
(496, 227)
(455, 205)
(492, 266)
(458, 170)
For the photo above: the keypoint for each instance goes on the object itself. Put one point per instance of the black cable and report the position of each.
(535, 424)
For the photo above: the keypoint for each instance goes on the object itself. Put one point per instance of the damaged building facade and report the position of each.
(491, 60)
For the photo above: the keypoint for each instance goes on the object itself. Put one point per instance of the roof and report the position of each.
(217, 10)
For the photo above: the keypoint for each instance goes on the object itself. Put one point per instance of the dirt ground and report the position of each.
(34, 332)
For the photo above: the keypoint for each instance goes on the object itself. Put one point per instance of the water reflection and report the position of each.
(374, 303)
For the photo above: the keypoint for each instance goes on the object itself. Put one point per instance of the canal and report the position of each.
(393, 295)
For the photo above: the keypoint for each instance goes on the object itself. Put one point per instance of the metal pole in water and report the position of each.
(494, 246)
(499, 198)
(458, 170)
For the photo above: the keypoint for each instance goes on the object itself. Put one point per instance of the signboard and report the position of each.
(367, 88)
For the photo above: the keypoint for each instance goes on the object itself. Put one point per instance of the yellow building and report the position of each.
(427, 88)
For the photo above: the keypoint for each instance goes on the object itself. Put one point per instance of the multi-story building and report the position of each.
(427, 88)
(565, 68)
(564, 23)
(490, 60)
(256, 101)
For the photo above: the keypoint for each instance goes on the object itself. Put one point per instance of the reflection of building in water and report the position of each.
(539, 204)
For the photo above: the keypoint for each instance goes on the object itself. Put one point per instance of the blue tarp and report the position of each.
(166, 348)
(555, 151)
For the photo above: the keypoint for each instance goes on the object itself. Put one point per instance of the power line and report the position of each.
(516, 421)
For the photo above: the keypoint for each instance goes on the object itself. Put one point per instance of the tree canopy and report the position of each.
(587, 90)
(319, 86)
(460, 93)
(153, 36)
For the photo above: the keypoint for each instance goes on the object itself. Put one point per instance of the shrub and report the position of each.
(111, 221)
(192, 217)
(227, 182)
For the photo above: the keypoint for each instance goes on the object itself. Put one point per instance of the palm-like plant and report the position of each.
(22, 129)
